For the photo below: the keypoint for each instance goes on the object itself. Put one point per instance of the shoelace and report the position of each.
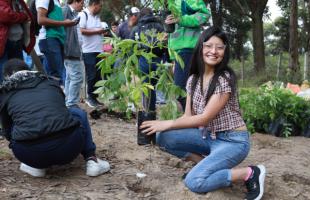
(251, 186)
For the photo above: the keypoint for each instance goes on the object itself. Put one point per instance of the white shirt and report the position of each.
(91, 43)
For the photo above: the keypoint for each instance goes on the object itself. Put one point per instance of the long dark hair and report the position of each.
(197, 68)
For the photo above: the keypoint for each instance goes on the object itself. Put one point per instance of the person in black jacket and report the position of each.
(149, 25)
(41, 130)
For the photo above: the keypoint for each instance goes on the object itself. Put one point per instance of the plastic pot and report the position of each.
(143, 139)
(169, 28)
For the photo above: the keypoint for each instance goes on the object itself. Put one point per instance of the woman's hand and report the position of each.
(151, 127)
(171, 20)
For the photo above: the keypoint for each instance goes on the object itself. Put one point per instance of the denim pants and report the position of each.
(146, 68)
(92, 73)
(74, 80)
(181, 75)
(53, 50)
(221, 154)
(13, 49)
(58, 151)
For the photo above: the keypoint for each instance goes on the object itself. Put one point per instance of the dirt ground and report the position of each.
(287, 162)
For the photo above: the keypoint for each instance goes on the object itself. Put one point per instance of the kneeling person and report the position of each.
(42, 131)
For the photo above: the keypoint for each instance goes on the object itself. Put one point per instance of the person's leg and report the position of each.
(68, 79)
(214, 171)
(43, 49)
(183, 142)
(74, 80)
(145, 67)
(89, 147)
(55, 60)
(90, 62)
(15, 49)
(12, 50)
(57, 151)
(181, 75)
(94, 165)
(3, 60)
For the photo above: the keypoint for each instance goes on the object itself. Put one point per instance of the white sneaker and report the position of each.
(94, 168)
(32, 171)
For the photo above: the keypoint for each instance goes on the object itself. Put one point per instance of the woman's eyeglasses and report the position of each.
(209, 46)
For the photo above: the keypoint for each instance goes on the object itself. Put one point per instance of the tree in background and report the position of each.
(117, 9)
(306, 26)
(216, 7)
(293, 42)
(255, 9)
(227, 16)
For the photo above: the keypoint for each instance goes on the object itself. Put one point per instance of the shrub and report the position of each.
(274, 110)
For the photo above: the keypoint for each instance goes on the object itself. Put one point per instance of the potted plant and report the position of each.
(125, 84)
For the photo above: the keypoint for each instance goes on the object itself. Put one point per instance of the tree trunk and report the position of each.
(242, 69)
(293, 43)
(258, 42)
(216, 11)
(306, 67)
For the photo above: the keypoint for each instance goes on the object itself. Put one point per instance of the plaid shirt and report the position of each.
(229, 118)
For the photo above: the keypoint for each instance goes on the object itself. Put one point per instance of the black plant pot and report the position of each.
(142, 138)
(306, 132)
(169, 28)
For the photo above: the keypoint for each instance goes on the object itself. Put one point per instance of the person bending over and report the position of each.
(212, 132)
(41, 130)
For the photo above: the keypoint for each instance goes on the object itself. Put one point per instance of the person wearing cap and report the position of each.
(125, 28)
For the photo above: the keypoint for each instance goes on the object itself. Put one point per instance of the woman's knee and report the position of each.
(195, 184)
(164, 140)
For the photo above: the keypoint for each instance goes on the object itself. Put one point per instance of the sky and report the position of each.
(273, 9)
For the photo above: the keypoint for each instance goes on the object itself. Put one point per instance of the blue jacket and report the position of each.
(124, 31)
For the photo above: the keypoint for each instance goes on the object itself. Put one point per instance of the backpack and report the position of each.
(86, 15)
(33, 10)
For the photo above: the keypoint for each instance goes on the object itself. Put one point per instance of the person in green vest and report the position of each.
(52, 36)
(192, 15)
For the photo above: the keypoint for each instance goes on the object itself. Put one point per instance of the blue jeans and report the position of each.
(74, 80)
(222, 154)
(92, 73)
(61, 150)
(13, 49)
(53, 50)
(145, 68)
(181, 75)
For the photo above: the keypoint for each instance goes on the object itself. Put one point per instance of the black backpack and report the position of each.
(147, 30)
(33, 10)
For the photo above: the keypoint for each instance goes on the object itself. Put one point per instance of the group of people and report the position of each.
(43, 124)
(46, 127)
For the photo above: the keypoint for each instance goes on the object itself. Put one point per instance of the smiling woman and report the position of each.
(211, 132)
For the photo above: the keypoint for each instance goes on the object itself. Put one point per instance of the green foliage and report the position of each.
(125, 83)
(270, 104)
(167, 5)
(254, 79)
